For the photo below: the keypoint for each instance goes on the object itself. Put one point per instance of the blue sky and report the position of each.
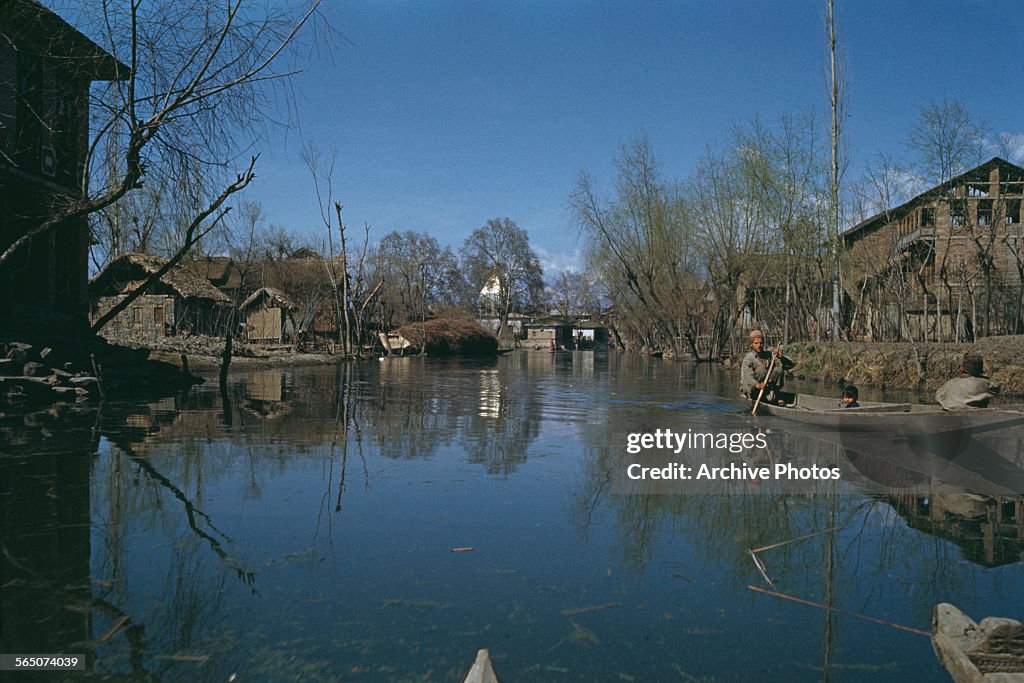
(446, 114)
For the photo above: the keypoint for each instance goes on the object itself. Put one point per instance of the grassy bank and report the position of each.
(921, 366)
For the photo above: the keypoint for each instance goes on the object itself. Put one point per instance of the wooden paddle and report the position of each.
(775, 354)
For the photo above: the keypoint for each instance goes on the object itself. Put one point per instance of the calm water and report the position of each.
(317, 529)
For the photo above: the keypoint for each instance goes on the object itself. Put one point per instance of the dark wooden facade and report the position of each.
(46, 67)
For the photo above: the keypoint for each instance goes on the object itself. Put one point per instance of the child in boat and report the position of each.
(970, 389)
(850, 396)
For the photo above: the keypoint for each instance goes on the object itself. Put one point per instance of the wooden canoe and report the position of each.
(927, 444)
(975, 653)
(906, 419)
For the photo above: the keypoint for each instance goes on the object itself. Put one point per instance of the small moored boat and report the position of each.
(974, 653)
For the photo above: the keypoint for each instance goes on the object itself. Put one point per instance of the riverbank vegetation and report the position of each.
(690, 265)
(902, 365)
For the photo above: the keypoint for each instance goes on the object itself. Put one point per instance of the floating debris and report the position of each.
(401, 602)
(585, 610)
(840, 611)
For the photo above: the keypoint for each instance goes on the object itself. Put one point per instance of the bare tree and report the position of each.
(783, 164)
(574, 293)
(418, 275)
(946, 140)
(642, 243)
(500, 253)
(199, 90)
(347, 278)
(728, 199)
(836, 106)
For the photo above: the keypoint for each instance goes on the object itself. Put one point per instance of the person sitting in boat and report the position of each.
(970, 389)
(850, 396)
(754, 372)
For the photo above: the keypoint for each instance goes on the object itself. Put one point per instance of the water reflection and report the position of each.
(45, 578)
(310, 535)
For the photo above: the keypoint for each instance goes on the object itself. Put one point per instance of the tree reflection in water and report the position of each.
(197, 546)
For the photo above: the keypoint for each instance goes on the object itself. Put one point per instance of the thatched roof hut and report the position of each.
(127, 272)
(269, 316)
(269, 296)
(181, 301)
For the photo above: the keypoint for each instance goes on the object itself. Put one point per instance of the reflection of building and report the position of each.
(989, 530)
(45, 531)
(46, 67)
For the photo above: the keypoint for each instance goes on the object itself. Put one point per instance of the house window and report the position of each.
(136, 315)
(927, 217)
(957, 216)
(985, 212)
(158, 315)
(1012, 211)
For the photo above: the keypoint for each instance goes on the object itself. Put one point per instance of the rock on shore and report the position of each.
(37, 370)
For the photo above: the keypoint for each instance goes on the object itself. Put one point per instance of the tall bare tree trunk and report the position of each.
(344, 321)
(834, 179)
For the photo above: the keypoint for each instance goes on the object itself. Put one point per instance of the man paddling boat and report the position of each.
(761, 376)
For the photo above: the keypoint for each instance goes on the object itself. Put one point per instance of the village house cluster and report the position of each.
(948, 265)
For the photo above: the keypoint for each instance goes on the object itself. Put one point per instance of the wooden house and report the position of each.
(588, 334)
(946, 265)
(46, 67)
(268, 316)
(303, 278)
(182, 302)
(541, 333)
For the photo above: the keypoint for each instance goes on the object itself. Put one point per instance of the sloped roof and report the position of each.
(977, 174)
(272, 295)
(552, 321)
(221, 271)
(128, 271)
(25, 23)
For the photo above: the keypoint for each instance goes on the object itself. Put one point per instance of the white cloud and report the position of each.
(1011, 145)
(555, 262)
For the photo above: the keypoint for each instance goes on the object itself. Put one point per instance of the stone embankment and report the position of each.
(33, 374)
(38, 371)
(205, 354)
(919, 366)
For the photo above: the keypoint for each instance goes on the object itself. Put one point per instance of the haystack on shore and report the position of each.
(451, 337)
